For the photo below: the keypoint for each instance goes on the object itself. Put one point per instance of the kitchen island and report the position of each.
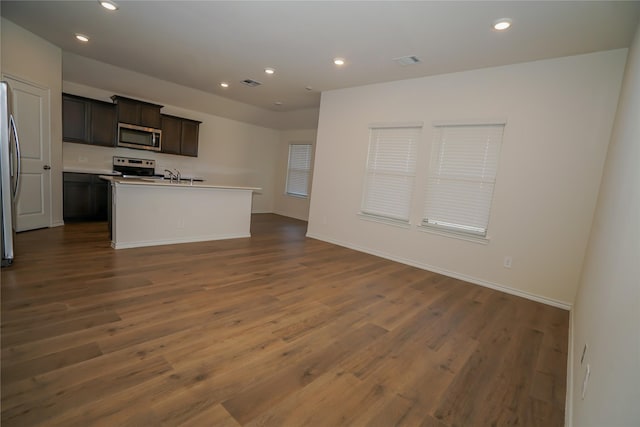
(149, 212)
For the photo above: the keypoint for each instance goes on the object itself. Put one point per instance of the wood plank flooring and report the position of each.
(274, 330)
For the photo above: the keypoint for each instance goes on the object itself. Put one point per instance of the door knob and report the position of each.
(46, 167)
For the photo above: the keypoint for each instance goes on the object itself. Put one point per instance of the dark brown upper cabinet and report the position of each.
(136, 112)
(103, 123)
(171, 134)
(88, 121)
(75, 119)
(180, 135)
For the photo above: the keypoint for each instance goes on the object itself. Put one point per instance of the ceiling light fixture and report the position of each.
(224, 84)
(338, 61)
(109, 5)
(278, 103)
(82, 37)
(502, 24)
(269, 70)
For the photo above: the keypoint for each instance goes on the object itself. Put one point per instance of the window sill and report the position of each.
(383, 220)
(455, 235)
(296, 196)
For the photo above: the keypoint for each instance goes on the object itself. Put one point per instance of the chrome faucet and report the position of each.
(172, 175)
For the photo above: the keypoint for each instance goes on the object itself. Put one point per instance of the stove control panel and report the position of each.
(132, 166)
(128, 161)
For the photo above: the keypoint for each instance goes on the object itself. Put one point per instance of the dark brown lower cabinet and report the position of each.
(85, 197)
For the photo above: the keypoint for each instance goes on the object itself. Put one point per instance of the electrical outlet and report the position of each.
(507, 262)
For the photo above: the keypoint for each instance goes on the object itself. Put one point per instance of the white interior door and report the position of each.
(30, 107)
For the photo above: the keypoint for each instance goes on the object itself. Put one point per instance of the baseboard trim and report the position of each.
(288, 215)
(128, 245)
(498, 287)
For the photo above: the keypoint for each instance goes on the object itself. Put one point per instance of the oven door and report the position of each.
(139, 137)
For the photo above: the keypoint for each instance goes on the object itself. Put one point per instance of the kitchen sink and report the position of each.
(185, 181)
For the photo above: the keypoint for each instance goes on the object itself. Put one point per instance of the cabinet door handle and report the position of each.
(46, 167)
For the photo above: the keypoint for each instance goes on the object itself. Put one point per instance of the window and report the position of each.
(299, 170)
(390, 174)
(462, 174)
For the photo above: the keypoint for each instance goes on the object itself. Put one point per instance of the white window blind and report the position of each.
(464, 162)
(390, 174)
(299, 170)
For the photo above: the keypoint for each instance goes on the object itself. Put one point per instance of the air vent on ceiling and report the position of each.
(407, 60)
(251, 83)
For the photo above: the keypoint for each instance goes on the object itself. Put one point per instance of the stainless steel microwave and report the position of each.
(142, 138)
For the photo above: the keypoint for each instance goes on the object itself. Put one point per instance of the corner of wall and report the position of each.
(568, 407)
(606, 304)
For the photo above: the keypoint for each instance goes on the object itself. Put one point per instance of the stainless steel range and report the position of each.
(134, 167)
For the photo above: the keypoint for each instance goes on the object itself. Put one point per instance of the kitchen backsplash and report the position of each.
(86, 157)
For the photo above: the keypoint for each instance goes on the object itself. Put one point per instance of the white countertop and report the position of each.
(167, 183)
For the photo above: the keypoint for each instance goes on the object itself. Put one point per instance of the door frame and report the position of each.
(49, 187)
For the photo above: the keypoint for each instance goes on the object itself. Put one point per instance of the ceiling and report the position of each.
(200, 44)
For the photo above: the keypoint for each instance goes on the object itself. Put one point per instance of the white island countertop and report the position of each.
(154, 211)
(184, 183)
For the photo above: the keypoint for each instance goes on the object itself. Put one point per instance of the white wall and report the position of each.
(607, 309)
(559, 117)
(294, 207)
(29, 58)
(229, 152)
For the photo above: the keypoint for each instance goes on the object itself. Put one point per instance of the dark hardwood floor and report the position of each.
(275, 330)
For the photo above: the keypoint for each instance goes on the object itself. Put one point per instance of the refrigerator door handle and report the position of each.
(18, 159)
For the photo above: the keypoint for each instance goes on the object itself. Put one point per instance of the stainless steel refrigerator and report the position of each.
(9, 172)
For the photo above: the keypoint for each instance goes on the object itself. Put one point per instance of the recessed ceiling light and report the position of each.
(224, 84)
(82, 37)
(269, 70)
(109, 5)
(502, 24)
(338, 61)
(278, 103)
